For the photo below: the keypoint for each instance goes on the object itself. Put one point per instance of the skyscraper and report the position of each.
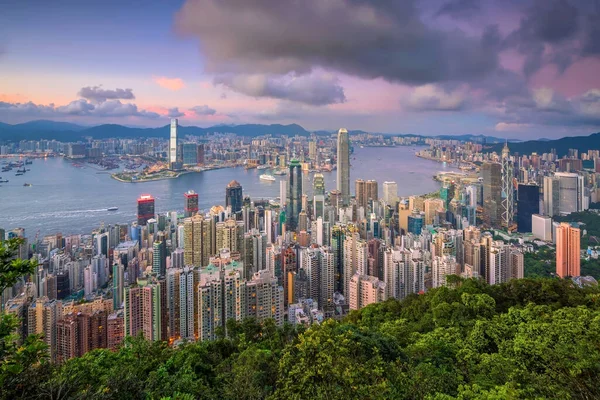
(571, 192)
(173, 145)
(508, 189)
(145, 207)
(191, 203)
(197, 240)
(360, 192)
(318, 184)
(527, 205)
(294, 195)
(343, 166)
(492, 192)
(551, 196)
(568, 256)
(390, 193)
(234, 197)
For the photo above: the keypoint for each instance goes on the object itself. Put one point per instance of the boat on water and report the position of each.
(4, 181)
(27, 184)
(112, 208)
(263, 167)
(18, 174)
(267, 178)
(279, 172)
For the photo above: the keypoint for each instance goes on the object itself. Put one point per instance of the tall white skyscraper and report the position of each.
(173, 143)
(343, 166)
(390, 193)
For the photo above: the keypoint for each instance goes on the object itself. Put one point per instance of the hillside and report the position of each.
(36, 130)
(562, 146)
(529, 338)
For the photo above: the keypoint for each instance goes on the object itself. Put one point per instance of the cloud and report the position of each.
(460, 8)
(556, 32)
(203, 110)
(98, 94)
(434, 98)
(169, 83)
(511, 126)
(77, 107)
(81, 107)
(386, 39)
(174, 113)
(313, 89)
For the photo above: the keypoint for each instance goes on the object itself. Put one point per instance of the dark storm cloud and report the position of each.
(557, 32)
(97, 93)
(313, 89)
(460, 8)
(368, 39)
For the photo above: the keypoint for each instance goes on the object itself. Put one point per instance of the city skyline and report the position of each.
(516, 72)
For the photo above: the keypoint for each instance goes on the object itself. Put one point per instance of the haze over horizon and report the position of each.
(507, 69)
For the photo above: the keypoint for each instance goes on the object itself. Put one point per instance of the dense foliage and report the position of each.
(591, 224)
(530, 338)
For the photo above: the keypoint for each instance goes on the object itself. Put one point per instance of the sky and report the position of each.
(511, 68)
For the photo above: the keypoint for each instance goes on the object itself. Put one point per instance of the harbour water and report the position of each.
(67, 199)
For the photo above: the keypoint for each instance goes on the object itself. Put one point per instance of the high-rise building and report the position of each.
(318, 184)
(190, 154)
(432, 208)
(527, 205)
(230, 235)
(263, 298)
(365, 290)
(294, 195)
(198, 240)
(551, 196)
(390, 193)
(146, 309)
(234, 197)
(115, 326)
(415, 223)
(145, 209)
(492, 192)
(343, 166)
(159, 257)
(200, 155)
(508, 189)
(541, 227)
(571, 192)
(191, 203)
(568, 256)
(187, 310)
(173, 146)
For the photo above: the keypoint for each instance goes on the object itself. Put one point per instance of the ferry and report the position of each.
(112, 208)
(267, 177)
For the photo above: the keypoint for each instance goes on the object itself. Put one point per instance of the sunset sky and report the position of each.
(511, 68)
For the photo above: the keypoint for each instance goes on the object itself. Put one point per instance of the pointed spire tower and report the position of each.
(508, 190)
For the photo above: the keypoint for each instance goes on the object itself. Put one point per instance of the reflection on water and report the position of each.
(66, 199)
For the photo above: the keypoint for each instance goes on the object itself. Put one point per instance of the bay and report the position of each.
(73, 200)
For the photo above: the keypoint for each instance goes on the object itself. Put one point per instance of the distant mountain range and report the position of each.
(67, 132)
(562, 146)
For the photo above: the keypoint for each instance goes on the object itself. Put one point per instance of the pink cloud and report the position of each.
(169, 83)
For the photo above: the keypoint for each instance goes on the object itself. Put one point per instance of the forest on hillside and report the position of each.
(529, 338)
